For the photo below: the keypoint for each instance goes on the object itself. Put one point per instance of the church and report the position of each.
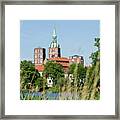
(54, 54)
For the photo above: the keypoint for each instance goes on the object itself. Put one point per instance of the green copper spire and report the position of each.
(54, 43)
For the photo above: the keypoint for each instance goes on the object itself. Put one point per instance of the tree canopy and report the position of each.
(53, 70)
(28, 73)
(96, 55)
(78, 70)
(91, 88)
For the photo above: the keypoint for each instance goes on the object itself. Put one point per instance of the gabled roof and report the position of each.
(59, 59)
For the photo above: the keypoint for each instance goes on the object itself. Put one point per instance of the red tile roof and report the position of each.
(59, 59)
(40, 68)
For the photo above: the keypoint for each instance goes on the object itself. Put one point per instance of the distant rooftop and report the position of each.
(76, 56)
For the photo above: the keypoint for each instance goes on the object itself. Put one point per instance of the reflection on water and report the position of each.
(48, 95)
(39, 96)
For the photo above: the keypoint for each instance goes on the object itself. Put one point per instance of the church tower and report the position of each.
(54, 49)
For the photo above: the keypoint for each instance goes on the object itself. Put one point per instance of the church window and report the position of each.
(35, 56)
(35, 50)
(53, 56)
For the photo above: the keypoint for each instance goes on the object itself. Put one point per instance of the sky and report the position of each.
(76, 37)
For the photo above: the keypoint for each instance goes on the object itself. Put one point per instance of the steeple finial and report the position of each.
(54, 33)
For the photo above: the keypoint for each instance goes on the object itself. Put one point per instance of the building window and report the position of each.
(52, 50)
(73, 60)
(35, 56)
(56, 50)
(35, 61)
(41, 51)
(40, 61)
(52, 56)
(40, 56)
(35, 50)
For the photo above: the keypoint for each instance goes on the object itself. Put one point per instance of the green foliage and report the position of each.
(96, 55)
(53, 70)
(71, 68)
(81, 71)
(97, 43)
(78, 70)
(61, 82)
(54, 89)
(91, 88)
(28, 74)
(39, 82)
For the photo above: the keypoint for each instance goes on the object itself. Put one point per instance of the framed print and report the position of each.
(60, 59)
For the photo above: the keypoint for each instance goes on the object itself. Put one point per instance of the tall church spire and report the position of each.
(54, 49)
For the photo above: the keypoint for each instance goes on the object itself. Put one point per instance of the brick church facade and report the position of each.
(54, 54)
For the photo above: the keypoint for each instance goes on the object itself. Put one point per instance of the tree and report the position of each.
(81, 72)
(28, 74)
(78, 70)
(53, 70)
(96, 55)
(39, 82)
(71, 68)
(91, 88)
